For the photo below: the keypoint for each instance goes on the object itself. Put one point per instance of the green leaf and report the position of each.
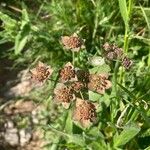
(148, 148)
(147, 19)
(77, 139)
(127, 91)
(98, 145)
(8, 22)
(145, 133)
(124, 11)
(101, 69)
(69, 123)
(128, 133)
(23, 35)
(94, 96)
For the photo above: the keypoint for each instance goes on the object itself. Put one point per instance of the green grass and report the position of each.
(34, 28)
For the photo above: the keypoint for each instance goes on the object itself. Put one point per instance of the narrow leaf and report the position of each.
(23, 35)
(127, 91)
(124, 11)
(128, 133)
(69, 123)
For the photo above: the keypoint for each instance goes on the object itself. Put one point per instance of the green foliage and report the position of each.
(23, 34)
(34, 29)
(124, 12)
(128, 133)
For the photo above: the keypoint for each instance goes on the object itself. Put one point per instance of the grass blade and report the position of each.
(124, 11)
(128, 133)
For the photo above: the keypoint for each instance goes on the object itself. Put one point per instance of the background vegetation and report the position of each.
(31, 31)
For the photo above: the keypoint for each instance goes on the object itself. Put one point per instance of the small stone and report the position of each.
(11, 136)
(9, 125)
(25, 136)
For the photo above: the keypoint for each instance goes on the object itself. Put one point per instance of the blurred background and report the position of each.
(30, 31)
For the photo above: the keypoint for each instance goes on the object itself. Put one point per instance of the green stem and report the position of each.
(115, 103)
(73, 58)
(126, 40)
(148, 58)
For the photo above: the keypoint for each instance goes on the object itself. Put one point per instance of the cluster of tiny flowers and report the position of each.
(73, 42)
(113, 52)
(72, 83)
(40, 73)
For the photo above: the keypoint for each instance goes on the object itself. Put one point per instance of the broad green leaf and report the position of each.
(124, 11)
(94, 96)
(72, 138)
(95, 132)
(128, 133)
(8, 22)
(98, 145)
(77, 139)
(101, 69)
(145, 133)
(23, 34)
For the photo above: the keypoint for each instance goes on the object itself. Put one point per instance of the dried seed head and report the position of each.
(85, 112)
(112, 51)
(72, 42)
(63, 95)
(99, 83)
(67, 73)
(118, 52)
(82, 76)
(107, 46)
(77, 86)
(110, 55)
(127, 63)
(41, 73)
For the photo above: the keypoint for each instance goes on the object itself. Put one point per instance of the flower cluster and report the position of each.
(40, 73)
(113, 52)
(73, 42)
(85, 112)
(99, 83)
(73, 83)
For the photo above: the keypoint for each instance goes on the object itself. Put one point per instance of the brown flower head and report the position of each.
(72, 42)
(41, 73)
(127, 63)
(68, 73)
(63, 95)
(99, 83)
(82, 76)
(112, 51)
(77, 86)
(107, 46)
(84, 112)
